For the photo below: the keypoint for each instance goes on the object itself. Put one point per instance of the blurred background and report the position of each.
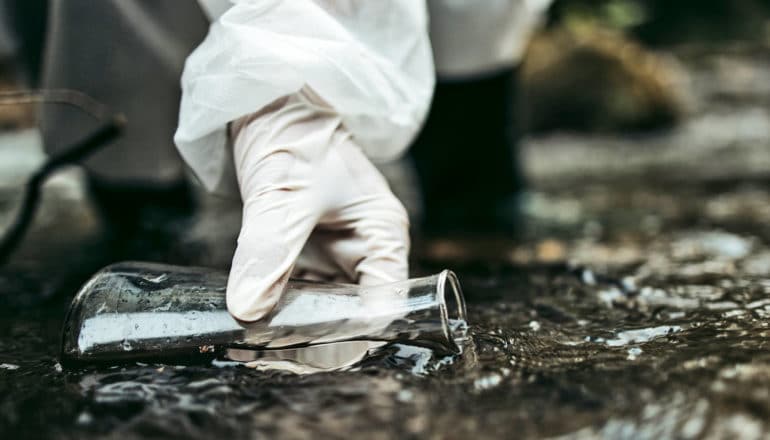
(645, 142)
(631, 94)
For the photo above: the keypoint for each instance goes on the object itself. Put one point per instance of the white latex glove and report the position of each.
(301, 173)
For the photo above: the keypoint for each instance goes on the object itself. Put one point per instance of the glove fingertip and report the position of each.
(249, 299)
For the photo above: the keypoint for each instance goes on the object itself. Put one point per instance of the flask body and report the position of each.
(138, 310)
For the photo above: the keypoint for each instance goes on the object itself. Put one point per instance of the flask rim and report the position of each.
(451, 304)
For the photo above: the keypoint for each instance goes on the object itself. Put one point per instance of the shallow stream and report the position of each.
(625, 334)
(634, 304)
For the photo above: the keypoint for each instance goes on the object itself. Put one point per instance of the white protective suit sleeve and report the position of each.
(476, 37)
(369, 60)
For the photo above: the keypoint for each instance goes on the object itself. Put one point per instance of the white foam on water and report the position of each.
(638, 336)
(634, 353)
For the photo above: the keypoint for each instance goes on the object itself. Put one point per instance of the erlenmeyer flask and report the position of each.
(145, 310)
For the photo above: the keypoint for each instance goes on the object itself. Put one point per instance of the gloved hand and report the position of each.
(301, 175)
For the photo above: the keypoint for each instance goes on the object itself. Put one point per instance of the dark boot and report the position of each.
(143, 222)
(25, 22)
(467, 157)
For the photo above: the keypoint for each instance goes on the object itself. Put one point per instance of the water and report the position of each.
(636, 304)
(650, 321)
(548, 354)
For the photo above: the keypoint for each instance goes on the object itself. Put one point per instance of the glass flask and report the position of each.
(138, 310)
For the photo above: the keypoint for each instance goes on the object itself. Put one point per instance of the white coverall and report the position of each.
(378, 75)
(129, 54)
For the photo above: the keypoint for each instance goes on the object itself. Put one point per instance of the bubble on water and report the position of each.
(722, 305)
(487, 382)
(641, 335)
(610, 296)
(629, 284)
(85, 418)
(733, 313)
(725, 244)
(693, 427)
(758, 304)
(159, 279)
(634, 353)
(684, 297)
(421, 361)
(225, 364)
(126, 346)
(534, 325)
(758, 264)
(205, 383)
(405, 396)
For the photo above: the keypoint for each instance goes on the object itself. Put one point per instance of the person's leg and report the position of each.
(22, 32)
(467, 156)
(129, 56)
(22, 35)
(140, 221)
